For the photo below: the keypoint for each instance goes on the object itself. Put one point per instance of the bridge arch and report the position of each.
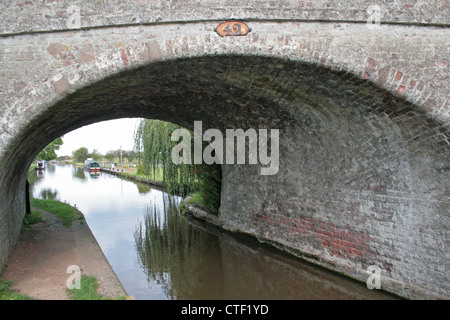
(364, 151)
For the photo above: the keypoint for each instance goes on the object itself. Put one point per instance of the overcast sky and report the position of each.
(103, 136)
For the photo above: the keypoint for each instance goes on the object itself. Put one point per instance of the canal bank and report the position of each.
(39, 263)
(127, 175)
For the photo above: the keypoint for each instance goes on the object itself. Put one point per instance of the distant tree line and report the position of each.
(81, 154)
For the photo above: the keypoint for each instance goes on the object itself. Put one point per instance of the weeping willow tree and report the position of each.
(152, 140)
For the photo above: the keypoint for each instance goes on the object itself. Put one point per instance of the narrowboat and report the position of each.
(40, 165)
(91, 165)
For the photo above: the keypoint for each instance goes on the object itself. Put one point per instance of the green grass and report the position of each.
(32, 218)
(7, 294)
(88, 290)
(31, 168)
(197, 198)
(62, 210)
(158, 176)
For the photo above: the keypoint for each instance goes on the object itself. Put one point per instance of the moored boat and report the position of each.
(40, 165)
(91, 165)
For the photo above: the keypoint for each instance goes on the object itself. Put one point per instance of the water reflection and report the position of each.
(50, 167)
(40, 173)
(194, 261)
(176, 255)
(33, 177)
(48, 193)
(79, 173)
(95, 174)
(142, 188)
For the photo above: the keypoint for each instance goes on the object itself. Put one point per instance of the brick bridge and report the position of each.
(359, 94)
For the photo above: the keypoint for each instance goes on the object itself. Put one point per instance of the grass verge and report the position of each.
(88, 290)
(62, 210)
(7, 294)
(197, 199)
(158, 176)
(30, 219)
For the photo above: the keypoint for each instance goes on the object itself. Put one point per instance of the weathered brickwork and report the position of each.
(363, 116)
(26, 16)
(336, 240)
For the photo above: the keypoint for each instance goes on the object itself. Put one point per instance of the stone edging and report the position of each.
(200, 213)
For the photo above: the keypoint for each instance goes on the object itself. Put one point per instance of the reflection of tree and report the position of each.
(174, 254)
(78, 173)
(50, 168)
(49, 194)
(143, 188)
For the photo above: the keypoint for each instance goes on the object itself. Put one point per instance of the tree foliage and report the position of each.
(110, 155)
(152, 139)
(80, 155)
(209, 186)
(48, 153)
(95, 155)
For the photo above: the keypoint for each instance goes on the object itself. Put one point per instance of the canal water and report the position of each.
(159, 254)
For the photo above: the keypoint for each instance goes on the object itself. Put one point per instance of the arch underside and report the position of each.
(363, 176)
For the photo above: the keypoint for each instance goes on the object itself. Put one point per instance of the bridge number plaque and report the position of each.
(232, 29)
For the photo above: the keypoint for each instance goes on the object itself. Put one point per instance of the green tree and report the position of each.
(132, 155)
(80, 155)
(95, 155)
(48, 153)
(153, 139)
(110, 156)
